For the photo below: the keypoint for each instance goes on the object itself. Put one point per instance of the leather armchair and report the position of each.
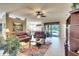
(39, 35)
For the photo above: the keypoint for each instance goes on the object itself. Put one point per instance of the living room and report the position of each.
(33, 23)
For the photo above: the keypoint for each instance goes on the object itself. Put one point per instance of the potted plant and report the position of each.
(12, 46)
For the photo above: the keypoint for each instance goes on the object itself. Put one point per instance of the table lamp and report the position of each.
(7, 32)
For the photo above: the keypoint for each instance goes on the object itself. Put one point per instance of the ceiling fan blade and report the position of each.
(43, 16)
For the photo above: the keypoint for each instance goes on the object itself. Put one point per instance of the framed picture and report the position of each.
(17, 26)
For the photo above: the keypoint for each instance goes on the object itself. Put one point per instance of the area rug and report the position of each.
(34, 51)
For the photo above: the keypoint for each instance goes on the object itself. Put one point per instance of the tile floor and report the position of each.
(1, 52)
(57, 47)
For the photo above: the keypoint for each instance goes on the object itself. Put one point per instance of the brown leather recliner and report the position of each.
(40, 34)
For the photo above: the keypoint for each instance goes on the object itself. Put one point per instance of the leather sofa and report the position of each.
(23, 37)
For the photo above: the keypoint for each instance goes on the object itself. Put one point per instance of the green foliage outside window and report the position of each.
(75, 6)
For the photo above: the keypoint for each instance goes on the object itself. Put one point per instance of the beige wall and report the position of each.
(63, 29)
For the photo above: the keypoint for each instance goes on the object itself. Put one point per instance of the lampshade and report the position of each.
(7, 30)
(38, 16)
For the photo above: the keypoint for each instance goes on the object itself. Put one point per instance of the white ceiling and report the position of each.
(52, 10)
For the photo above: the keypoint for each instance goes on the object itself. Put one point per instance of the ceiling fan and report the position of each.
(40, 14)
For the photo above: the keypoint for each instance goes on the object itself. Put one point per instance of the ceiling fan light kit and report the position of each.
(38, 16)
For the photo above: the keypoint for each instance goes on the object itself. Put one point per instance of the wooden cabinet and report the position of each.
(73, 33)
(74, 18)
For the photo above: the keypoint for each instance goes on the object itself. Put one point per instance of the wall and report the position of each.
(63, 29)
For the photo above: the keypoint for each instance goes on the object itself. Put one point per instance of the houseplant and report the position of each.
(12, 46)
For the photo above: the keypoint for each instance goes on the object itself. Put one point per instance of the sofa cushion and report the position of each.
(23, 36)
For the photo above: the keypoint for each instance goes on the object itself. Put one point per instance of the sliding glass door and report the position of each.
(52, 29)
